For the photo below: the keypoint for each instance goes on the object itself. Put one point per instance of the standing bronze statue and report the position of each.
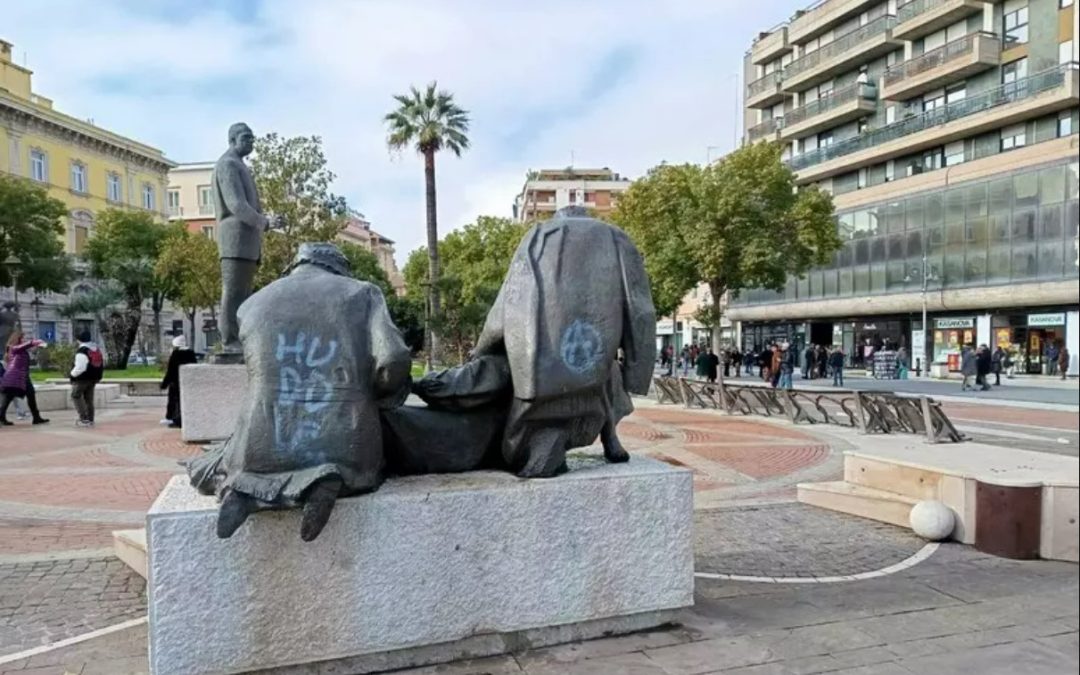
(240, 227)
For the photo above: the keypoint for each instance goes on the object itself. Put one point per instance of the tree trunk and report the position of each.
(431, 339)
(191, 324)
(717, 292)
(157, 304)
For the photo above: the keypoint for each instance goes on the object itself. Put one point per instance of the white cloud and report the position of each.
(541, 80)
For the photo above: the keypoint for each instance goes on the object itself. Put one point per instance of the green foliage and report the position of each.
(415, 274)
(736, 224)
(707, 316)
(408, 315)
(366, 267)
(124, 251)
(430, 120)
(57, 356)
(293, 180)
(31, 229)
(189, 270)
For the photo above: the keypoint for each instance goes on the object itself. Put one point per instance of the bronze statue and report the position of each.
(240, 227)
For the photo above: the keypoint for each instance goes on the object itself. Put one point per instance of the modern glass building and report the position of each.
(946, 131)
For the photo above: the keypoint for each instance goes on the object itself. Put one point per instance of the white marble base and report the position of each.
(210, 400)
(428, 569)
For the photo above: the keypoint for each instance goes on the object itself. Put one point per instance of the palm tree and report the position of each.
(430, 121)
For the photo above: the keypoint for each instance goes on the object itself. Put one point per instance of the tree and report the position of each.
(430, 121)
(31, 229)
(189, 270)
(366, 267)
(475, 260)
(293, 180)
(124, 250)
(736, 224)
(102, 301)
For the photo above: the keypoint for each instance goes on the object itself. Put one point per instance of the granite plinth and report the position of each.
(426, 570)
(211, 397)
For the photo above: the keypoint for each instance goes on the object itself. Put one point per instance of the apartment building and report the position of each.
(946, 131)
(85, 166)
(549, 190)
(358, 231)
(190, 197)
(682, 328)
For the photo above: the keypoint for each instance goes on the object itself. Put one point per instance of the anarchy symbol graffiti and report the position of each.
(582, 349)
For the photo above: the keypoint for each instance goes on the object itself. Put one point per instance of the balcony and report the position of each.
(206, 209)
(767, 130)
(844, 53)
(1043, 93)
(919, 18)
(939, 67)
(816, 20)
(765, 92)
(770, 46)
(175, 210)
(833, 109)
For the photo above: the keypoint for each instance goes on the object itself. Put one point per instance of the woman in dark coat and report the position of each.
(181, 356)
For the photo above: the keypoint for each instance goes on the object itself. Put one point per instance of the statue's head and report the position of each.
(241, 139)
(322, 255)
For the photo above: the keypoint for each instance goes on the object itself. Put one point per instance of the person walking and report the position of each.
(787, 366)
(701, 368)
(21, 413)
(808, 363)
(16, 382)
(982, 367)
(182, 355)
(85, 374)
(712, 364)
(822, 361)
(774, 366)
(1009, 363)
(902, 364)
(836, 362)
(1063, 362)
(997, 363)
(967, 367)
(1051, 354)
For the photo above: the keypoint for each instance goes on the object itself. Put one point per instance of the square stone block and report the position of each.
(211, 397)
(427, 569)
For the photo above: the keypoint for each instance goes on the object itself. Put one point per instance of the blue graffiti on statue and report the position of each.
(581, 347)
(304, 390)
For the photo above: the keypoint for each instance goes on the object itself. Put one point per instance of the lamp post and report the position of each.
(13, 264)
(926, 277)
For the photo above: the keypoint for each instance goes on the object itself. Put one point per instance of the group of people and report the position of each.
(775, 363)
(1057, 360)
(86, 371)
(977, 364)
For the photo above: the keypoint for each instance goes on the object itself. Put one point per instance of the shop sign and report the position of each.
(1046, 319)
(869, 326)
(954, 323)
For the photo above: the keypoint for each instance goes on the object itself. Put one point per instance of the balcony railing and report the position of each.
(765, 128)
(175, 211)
(910, 10)
(1003, 95)
(842, 44)
(936, 57)
(834, 99)
(206, 209)
(763, 84)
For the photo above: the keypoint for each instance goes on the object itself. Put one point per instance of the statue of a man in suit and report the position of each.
(239, 233)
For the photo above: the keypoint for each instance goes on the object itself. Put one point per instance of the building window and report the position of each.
(1016, 25)
(954, 153)
(81, 224)
(1065, 3)
(1065, 52)
(957, 92)
(39, 166)
(1013, 71)
(208, 231)
(573, 196)
(112, 187)
(1013, 137)
(148, 198)
(933, 100)
(1064, 124)
(206, 200)
(825, 139)
(78, 177)
(172, 201)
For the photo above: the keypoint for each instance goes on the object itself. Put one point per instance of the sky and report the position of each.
(595, 83)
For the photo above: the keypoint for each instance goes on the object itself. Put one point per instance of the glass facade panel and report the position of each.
(1020, 226)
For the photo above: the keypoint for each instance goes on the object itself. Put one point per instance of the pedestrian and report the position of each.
(701, 368)
(749, 359)
(902, 364)
(764, 359)
(967, 367)
(836, 362)
(775, 358)
(727, 363)
(1009, 363)
(982, 367)
(1063, 362)
(787, 365)
(1051, 358)
(182, 355)
(21, 413)
(16, 382)
(712, 364)
(997, 364)
(684, 361)
(809, 365)
(822, 361)
(85, 374)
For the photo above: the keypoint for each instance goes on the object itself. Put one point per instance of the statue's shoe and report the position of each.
(318, 506)
(235, 509)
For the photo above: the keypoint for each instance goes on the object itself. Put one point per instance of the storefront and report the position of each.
(757, 336)
(951, 334)
(1028, 338)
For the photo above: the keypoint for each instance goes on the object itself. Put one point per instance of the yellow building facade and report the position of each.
(86, 167)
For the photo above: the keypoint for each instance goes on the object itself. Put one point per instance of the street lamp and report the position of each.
(13, 264)
(927, 276)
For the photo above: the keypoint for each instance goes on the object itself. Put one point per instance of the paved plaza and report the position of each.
(832, 593)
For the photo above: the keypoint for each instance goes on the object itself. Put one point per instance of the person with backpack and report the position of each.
(89, 367)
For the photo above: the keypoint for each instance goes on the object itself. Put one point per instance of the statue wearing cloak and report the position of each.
(321, 353)
(576, 297)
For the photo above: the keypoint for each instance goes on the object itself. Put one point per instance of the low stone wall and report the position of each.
(51, 397)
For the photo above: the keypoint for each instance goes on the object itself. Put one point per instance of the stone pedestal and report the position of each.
(428, 569)
(210, 400)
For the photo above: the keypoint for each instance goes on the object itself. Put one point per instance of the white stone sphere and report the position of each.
(932, 520)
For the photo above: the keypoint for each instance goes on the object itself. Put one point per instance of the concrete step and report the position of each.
(857, 500)
(890, 475)
(130, 547)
